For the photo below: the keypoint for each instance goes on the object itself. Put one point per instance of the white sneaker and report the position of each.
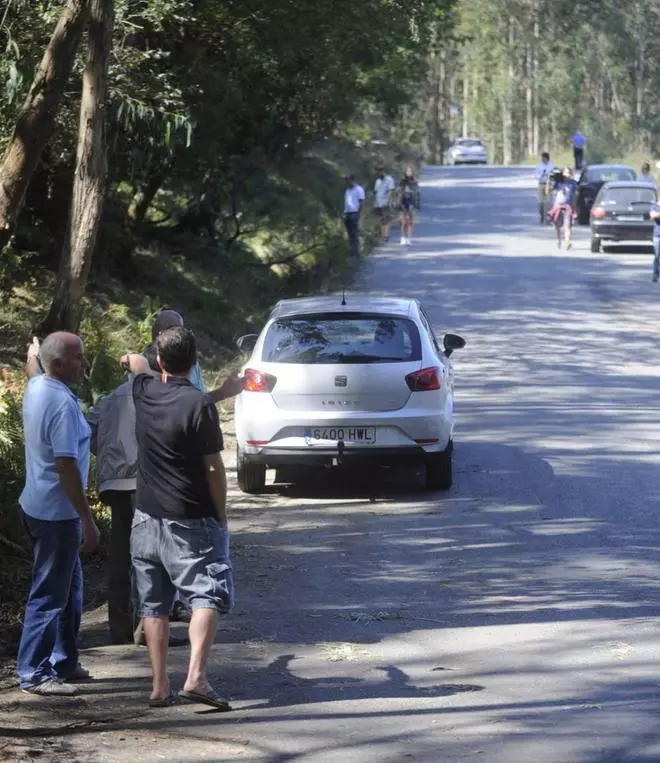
(403, 241)
(52, 687)
(409, 241)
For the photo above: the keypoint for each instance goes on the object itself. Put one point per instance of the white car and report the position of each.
(467, 151)
(336, 380)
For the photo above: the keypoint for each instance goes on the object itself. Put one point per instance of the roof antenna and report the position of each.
(343, 296)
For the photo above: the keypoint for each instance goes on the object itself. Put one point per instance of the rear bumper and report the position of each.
(275, 457)
(608, 231)
(470, 159)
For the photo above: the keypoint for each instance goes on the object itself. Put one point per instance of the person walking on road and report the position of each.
(646, 176)
(353, 200)
(409, 201)
(56, 516)
(563, 207)
(543, 171)
(383, 190)
(578, 140)
(655, 216)
(180, 538)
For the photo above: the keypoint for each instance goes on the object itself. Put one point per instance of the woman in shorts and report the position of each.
(409, 201)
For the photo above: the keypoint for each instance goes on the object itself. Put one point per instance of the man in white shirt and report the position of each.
(543, 170)
(353, 200)
(383, 189)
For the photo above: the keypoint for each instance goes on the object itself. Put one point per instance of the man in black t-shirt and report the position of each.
(179, 538)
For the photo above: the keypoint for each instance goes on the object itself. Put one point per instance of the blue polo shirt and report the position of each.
(656, 222)
(54, 426)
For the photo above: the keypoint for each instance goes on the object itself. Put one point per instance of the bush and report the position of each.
(12, 459)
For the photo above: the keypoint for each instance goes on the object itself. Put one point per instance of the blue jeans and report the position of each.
(656, 257)
(48, 647)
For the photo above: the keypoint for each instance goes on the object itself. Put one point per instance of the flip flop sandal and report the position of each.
(164, 702)
(211, 699)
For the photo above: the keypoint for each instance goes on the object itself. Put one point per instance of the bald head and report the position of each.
(62, 357)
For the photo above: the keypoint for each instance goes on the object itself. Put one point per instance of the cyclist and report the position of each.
(563, 206)
(409, 201)
(543, 171)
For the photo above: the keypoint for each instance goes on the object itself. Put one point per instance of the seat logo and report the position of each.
(341, 381)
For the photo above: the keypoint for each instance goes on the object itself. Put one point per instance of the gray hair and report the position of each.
(55, 347)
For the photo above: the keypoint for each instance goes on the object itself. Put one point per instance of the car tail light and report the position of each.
(598, 213)
(258, 381)
(424, 381)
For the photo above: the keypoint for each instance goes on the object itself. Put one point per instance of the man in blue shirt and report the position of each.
(578, 141)
(56, 516)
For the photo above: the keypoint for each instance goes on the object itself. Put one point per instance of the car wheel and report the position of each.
(251, 477)
(439, 469)
(595, 244)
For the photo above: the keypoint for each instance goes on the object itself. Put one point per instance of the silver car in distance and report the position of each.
(333, 380)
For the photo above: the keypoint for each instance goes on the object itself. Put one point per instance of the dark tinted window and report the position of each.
(346, 338)
(627, 196)
(468, 143)
(606, 174)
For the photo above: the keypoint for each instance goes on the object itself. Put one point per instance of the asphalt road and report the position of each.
(512, 619)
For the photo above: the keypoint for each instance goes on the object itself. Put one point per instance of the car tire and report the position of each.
(251, 477)
(439, 469)
(595, 244)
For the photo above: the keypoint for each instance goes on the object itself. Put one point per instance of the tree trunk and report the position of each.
(435, 109)
(90, 176)
(466, 101)
(507, 102)
(536, 147)
(36, 120)
(142, 200)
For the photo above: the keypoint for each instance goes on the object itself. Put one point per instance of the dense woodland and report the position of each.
(524, 74)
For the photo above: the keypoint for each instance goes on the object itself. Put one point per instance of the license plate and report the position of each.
(630, 218)
(364, 435)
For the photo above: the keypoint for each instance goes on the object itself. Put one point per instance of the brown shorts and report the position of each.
(383, 213)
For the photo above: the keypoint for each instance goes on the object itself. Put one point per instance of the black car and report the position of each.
(621, 213)
(592, 179)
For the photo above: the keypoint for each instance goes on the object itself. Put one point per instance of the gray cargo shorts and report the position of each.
(186, 555)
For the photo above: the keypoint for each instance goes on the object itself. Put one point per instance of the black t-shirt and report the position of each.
(176, 426)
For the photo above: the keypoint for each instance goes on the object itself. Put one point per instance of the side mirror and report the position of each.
(247, 342)
(453, 342)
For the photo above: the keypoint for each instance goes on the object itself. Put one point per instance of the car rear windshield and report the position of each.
(345, 338)
(469, 143)
(610, 173)
(628, 196)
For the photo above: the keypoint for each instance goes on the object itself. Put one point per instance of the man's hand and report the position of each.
(230, 387)
(135, 363)
(33, 366)
(91, 536)
(33, 349)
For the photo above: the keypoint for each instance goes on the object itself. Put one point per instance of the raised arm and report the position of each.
(135, 363)
(230, 387)
(33, 366)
